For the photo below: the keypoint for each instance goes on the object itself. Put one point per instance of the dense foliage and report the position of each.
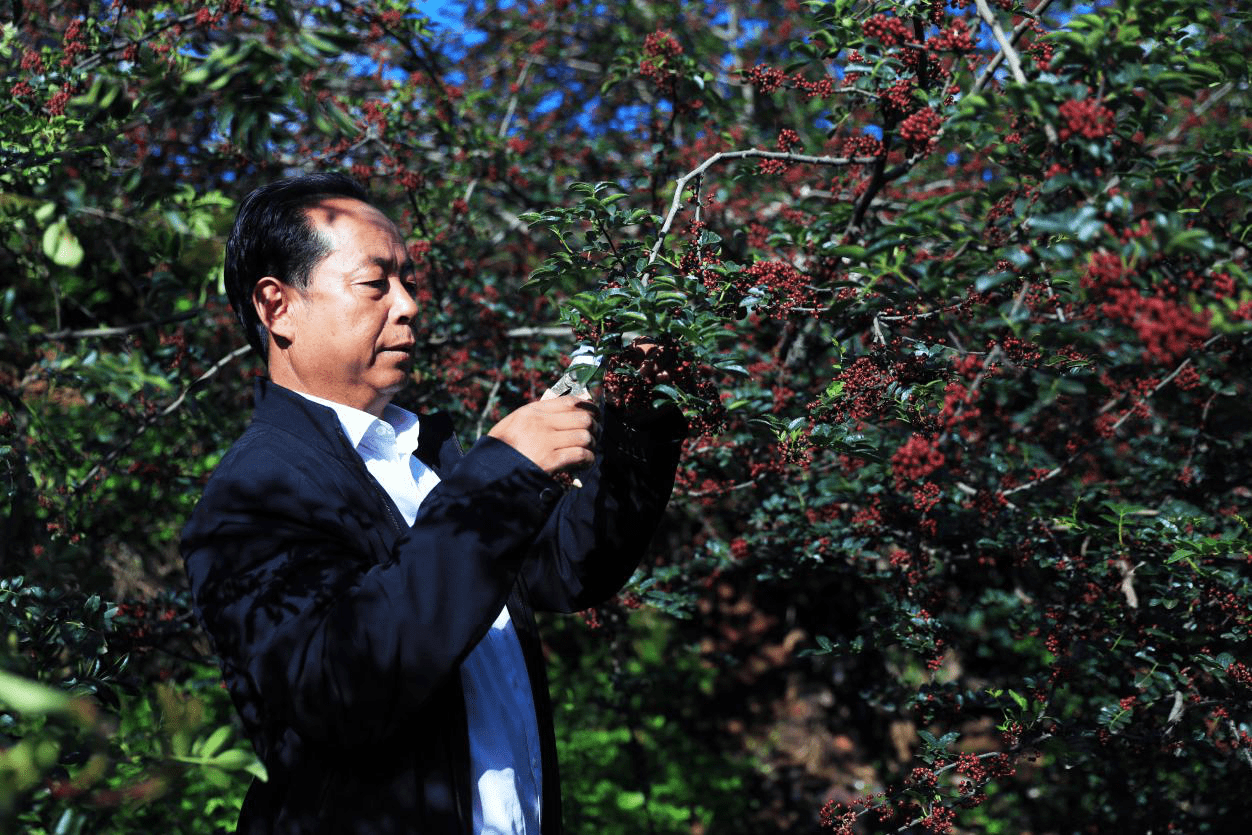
(960, 294)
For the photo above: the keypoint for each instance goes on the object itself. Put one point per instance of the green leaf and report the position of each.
(233, 760)
(215, 741)
(31, 697)
(61, 246)
(628, 801)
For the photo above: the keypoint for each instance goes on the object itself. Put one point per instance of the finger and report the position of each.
(573, 458)
(562, 403)
(579, 438)
(579, 412)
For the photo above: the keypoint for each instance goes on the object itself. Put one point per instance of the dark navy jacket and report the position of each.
(340, 629)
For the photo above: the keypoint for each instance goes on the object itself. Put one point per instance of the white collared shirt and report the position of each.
(505, 767)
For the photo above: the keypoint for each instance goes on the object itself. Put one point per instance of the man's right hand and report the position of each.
(558, 435)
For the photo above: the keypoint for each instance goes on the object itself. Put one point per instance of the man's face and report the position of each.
(351, 328)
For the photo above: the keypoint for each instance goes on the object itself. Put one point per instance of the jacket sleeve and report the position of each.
(593, 542)
(316, 634)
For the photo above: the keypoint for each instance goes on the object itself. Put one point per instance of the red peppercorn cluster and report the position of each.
(1105, 271)
(887, 30)
(838, 818)
(786, 287)
(765, 78)
(628, 385)
(32, 61)
(659, 49)
(58, 101)
(662, 44)
(864, 387)
(788, 139)
(956, 38)
(207, 18)
(940, 820)
(1167, 328)
(898, 98)
(926, 496)
(919, 128)
(73, 44)
(1240, 673)
(861, 145)
(821, 88)
(917, 458)
(1086, 118)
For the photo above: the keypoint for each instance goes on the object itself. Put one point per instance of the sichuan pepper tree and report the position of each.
(960, 300)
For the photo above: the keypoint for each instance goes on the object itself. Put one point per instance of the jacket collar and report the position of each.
(319, 426)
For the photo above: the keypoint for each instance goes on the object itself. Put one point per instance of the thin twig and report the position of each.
(1010, 54)
(68, 334)
(509, 111)
(526, 333)
(492, 398)
(151, 419)
(751, 153)
(117, 45)
(1059, 468)
(989, 72)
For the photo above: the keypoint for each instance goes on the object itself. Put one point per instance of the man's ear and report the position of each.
(273, 301)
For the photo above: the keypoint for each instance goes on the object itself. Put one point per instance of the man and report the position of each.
(372, 608)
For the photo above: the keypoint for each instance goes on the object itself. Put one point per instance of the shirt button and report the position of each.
(548, 494)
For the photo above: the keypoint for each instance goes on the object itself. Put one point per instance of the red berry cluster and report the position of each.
(940, 820)
(58, 101)
(919, 128)
(73, 44)
(898, 98)
(1105, 272)
(917, 458)
(864, 387)
(788, 139)
(32, 61)
(861, 145)
(926, 497)
(765, 78)
(887, 30)
(206, 18)
(1086, 118)
(786, 287)
(1167, 328)
(628, 384)
(659, 49)
(661, 44)
(956, 38)
(1239, 672)
(822, 88)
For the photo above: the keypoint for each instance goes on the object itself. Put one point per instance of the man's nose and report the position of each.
(403, 305)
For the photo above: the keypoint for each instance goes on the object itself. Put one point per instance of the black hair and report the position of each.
(274, 235)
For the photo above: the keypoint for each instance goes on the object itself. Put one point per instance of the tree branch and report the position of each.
(1059, 468)
(752, 153)
(1010, 54)
(994, 64)
(151, 419)
(68, 334)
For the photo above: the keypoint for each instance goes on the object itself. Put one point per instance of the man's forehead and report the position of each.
(344, 215)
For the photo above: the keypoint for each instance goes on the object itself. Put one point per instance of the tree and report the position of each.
(961, 296)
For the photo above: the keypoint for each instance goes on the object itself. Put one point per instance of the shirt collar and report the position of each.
(398, 428)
